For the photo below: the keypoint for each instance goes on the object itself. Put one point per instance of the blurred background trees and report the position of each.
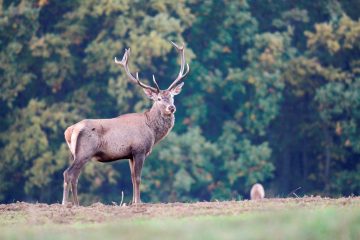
(273, 95)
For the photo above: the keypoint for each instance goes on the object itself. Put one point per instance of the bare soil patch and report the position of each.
(38, 214)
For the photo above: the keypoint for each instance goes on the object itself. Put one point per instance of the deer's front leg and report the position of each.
(138, 164)
(132, 171)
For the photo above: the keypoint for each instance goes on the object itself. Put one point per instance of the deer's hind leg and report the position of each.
(71, 177)
(66, 189)
(76, 173)
(68, 132)
(83, 146)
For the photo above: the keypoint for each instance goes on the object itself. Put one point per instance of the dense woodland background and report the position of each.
(273, 95)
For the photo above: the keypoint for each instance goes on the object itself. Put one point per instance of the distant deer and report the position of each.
(257, 192)
(129, 136)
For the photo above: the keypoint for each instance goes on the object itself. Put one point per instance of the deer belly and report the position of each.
(113, 152)
(102, 157)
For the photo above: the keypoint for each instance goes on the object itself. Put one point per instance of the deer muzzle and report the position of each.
(171, 109)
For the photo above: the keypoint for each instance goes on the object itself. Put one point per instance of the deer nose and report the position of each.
(172, 108)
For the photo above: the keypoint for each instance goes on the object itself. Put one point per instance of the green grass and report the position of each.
(320, 223)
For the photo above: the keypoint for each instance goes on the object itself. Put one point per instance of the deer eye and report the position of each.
(159, 99)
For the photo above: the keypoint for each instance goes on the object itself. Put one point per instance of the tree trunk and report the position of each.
(328, 144)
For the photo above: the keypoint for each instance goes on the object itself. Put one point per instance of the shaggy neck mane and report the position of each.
(159, 123)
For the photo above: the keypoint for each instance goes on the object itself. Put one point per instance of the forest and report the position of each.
(273, 96)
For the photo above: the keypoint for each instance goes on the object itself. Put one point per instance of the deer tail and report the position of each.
(72, 135)
(75, 138)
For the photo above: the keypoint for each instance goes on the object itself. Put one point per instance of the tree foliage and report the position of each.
(273, 95)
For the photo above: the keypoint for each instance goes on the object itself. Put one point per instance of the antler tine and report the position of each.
(124, 59)
(181, 74)
(177, 46)
(124, 63)
(156, 84)
(182, 52)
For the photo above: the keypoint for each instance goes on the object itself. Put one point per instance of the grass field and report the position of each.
(300, 218)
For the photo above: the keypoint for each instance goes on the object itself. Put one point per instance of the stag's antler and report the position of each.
(124, 63)
(181, 75)
(181, 50)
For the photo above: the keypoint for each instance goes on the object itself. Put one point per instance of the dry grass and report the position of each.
(257, 219)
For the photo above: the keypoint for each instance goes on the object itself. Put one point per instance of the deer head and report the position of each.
(163, 99)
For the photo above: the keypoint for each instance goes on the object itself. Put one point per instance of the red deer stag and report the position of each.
(129, 136)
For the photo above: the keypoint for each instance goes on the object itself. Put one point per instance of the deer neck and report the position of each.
(159, 123)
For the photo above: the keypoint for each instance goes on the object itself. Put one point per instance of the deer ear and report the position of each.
(149, 93)
(176, 90)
